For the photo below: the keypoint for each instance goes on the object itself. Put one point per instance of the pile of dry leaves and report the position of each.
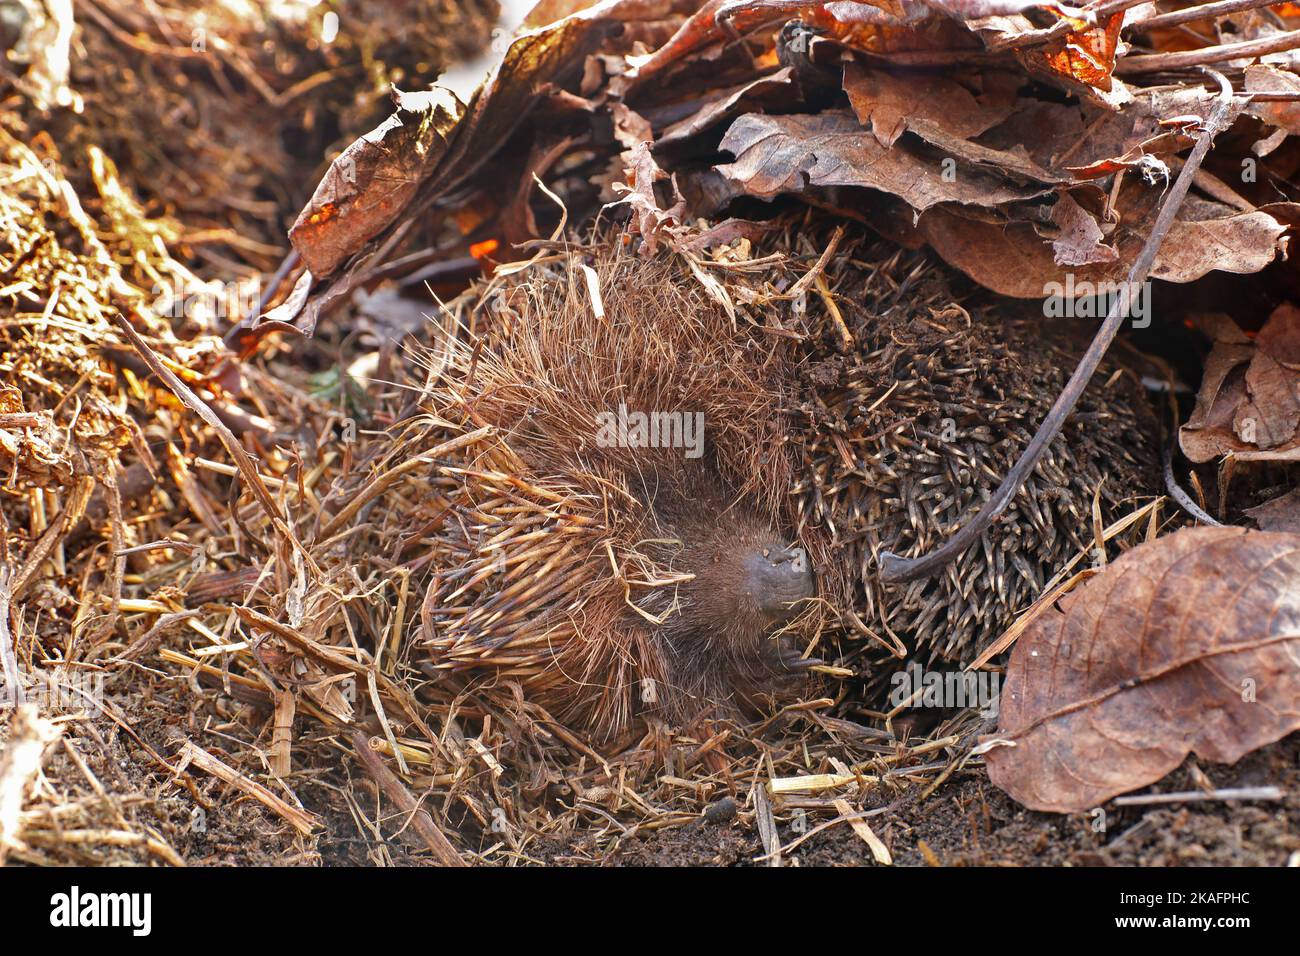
(229, 542)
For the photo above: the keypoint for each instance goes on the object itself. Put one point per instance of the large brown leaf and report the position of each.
(1188, 644)
(892, 104)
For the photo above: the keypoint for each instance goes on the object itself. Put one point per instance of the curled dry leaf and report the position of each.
(1190, 644)
(1081, 242)
(1086, 54)
(432, 137)
(1249, 402)
(370, 183)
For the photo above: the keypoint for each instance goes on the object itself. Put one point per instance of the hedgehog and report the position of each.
(681, 506)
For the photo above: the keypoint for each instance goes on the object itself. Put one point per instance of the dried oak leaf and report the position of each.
(1188, 644)
(776, 154)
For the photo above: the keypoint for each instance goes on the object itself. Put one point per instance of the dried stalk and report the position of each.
(429, 832)
(1163, 62)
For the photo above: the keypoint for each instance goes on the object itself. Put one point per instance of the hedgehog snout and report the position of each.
(777, 578)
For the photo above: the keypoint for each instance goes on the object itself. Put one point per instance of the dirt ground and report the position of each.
(972, 823)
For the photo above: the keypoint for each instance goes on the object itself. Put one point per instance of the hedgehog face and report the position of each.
(725, 630)
(776, 579)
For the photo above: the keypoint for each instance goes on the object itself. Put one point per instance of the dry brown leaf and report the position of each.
(1189, 644)
(766, 91)
(1261, 78)
(432, 142)
(890, 103)
(1279, 514)
(370, 183)
(651, 220)
(1081, 242)
(1086, 54)
(776, 154)
(1011, 258)
(1249, 401)
(1091, 141)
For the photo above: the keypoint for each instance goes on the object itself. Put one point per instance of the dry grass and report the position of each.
(220, 583)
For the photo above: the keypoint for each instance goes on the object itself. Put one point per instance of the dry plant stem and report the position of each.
(301, 820)
(1160, 62)
(332, 658)
(1193, 796)
(151, 637)
(1192, 14)
(423, 824)
(78, 500)
(386, 480)
(210, 418)
(895, 568)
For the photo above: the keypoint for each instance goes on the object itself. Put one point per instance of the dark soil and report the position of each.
(966, 822)
(972, 823)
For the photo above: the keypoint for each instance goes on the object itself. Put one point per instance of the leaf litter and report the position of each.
(716, 128)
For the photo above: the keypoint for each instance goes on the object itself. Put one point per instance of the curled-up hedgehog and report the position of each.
(682, 509)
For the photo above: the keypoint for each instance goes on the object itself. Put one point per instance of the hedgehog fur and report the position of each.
(610, 577)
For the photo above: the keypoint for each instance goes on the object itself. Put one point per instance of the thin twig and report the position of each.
(1192, 796)
(1162, 62)
(301, 820)
(1100, 11)
(1205, 11)
(1183, 498)
(895, 568)
(421, 821)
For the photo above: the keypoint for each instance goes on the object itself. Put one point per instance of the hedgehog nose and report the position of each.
(779, 577)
